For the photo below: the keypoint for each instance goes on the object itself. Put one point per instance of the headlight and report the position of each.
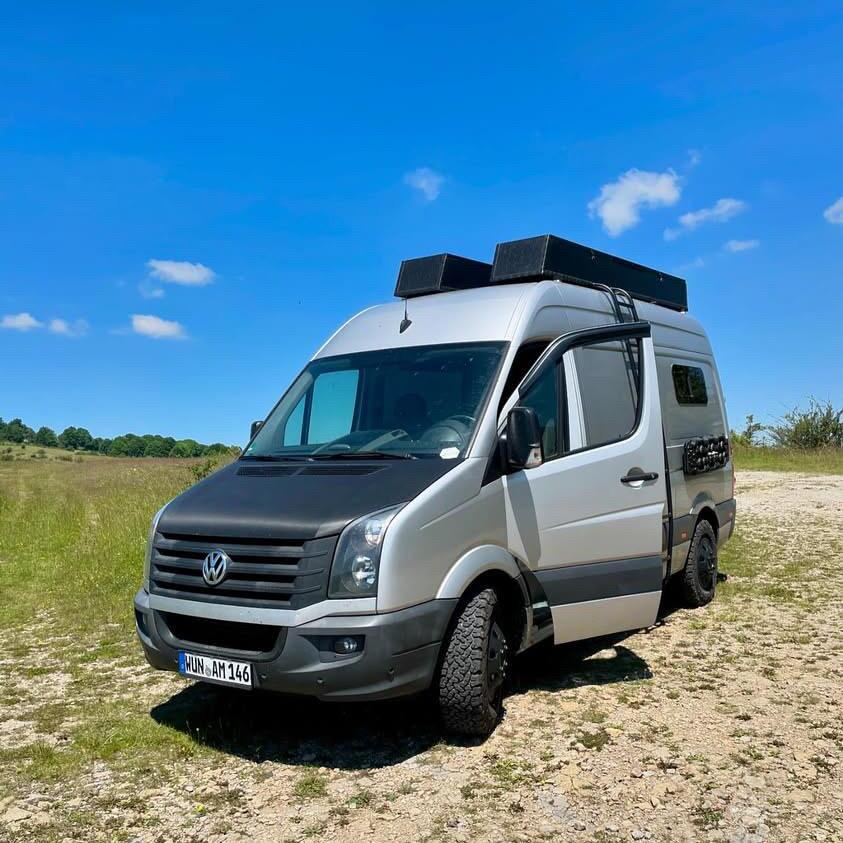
(354, 572)
(147, 562)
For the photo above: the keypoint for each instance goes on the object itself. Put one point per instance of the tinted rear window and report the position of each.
(689, 385)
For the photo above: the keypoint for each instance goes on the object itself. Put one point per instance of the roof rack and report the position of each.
(537, 258)
(440, 274)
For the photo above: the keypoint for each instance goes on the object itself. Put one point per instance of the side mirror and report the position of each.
(256, 426)
(523, 439)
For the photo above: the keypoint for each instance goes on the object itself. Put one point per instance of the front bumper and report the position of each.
(399, 654)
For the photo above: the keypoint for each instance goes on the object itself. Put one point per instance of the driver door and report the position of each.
(589, 520)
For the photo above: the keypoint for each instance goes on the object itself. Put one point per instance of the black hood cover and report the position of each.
(295, 501)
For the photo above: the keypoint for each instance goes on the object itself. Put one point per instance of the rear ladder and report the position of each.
(623, 306)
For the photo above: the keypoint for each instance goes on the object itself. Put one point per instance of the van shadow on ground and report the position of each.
(292, 730)
(596, 661)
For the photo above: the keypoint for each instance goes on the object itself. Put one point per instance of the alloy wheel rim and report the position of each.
(497, 660)
(706, 564)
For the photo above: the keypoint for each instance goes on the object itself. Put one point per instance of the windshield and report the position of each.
(420, 402)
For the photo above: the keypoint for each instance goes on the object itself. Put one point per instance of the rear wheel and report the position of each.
(699, 579)
(475, 667)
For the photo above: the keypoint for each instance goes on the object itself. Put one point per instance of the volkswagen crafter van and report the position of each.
(511, 452)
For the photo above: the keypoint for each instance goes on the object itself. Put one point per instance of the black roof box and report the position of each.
(535, 258)
(440, 274)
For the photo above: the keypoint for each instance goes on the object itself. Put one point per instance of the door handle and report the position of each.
(643, 475)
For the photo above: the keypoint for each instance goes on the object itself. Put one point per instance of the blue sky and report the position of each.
(193, 197)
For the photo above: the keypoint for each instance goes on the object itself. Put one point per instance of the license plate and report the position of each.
(212, 669)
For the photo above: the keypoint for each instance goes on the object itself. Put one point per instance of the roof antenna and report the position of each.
(406, 321)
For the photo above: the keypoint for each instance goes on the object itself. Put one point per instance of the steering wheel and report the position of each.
(452, 424)
(340, 446)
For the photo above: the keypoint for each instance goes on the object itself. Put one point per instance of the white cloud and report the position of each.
(157, 328)
(741, 245)
(428, 182)
(181, 272)
(620, 202)
(20, 322)
(834, 212)
(694, 157)
(720, 211)
(68, 329)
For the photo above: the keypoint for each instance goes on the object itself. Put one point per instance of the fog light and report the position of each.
(345, 646)
(140, 620)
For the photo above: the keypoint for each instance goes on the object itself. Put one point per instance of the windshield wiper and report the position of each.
(364, 455)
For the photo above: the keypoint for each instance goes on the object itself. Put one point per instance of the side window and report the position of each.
(293, 426)
(332, 406)
(543, 397)
(689, 385)
(606, 373)
(523, 362)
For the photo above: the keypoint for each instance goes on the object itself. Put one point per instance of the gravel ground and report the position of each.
(720, 724)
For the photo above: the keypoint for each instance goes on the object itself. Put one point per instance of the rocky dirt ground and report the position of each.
(721, 724)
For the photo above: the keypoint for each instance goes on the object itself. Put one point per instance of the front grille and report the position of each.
(265, 573)
(225, 635)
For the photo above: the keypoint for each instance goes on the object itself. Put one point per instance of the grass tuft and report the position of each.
(311, 785)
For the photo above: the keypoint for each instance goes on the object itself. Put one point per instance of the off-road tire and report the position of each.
(471, 681)
(699, 577)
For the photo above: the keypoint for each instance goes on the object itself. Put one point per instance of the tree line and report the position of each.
(128, 445)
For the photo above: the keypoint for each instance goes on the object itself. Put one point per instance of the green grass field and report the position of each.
(76, 532)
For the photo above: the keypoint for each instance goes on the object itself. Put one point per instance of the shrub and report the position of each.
(201, 470)
(820, 426)
(748, 437)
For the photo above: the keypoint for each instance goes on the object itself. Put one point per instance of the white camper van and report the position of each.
(528, 449)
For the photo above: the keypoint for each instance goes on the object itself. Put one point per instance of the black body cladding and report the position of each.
(440, 274)
(298, 506)
(537, 258)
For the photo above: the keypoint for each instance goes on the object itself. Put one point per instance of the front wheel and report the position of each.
(475, 666)
(699, 579)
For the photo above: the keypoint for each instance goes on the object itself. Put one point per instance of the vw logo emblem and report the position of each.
(215, 567)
